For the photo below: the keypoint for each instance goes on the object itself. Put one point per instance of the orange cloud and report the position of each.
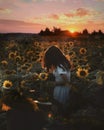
(5, 10)
(1, 9)
(69, 15)
(54, 16)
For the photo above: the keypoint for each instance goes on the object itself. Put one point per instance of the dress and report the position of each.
(61, 93)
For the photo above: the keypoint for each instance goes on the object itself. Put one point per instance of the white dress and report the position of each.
(61, 93)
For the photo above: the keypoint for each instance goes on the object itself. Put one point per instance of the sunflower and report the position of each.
(82, 72)
(12, 55)
(43, 76)
(29, 53)
(66, 50)
(72, 54)
(7, 84)
(4, 63)
(71, 44)
(100, 77)
(12, 44)
(37, 44)
(41, 55)
(24, 67)
(18, 58)
(82, 51)
(74, 61)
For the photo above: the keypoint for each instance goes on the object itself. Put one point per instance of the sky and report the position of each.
(32, 16)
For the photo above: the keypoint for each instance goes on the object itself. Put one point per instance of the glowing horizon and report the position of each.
(32, 16)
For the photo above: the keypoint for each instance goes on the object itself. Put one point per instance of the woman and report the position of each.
(55, 61)
(22, 113)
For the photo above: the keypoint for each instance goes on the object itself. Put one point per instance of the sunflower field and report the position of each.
(20, 67)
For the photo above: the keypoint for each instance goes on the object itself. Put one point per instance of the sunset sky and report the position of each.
(30, 16)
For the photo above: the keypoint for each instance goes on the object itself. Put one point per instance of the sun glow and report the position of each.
(72, 30)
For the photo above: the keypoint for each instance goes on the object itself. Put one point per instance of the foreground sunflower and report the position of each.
(7, 84)
(43, 76)
(82, 72)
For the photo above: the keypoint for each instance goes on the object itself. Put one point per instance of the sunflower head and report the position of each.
(29, 53)
(4, 63)
(82, 51)
(71, 44)
(82, 72)
(43, 76)
(24, 67)
(12, 55)
(7, 84)
(18, 58)
(37, 43)
(72, 54)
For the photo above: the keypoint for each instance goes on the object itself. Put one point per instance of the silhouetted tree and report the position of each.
(85, 32)
(41, 32)
(94, 32)
(56, 31)
(45, 32)
(100, 32)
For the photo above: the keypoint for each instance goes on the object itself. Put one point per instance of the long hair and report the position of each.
(54, 56)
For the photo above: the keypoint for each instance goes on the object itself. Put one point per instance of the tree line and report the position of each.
(58, 31)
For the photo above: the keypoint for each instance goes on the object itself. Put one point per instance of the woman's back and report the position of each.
(59, 71)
